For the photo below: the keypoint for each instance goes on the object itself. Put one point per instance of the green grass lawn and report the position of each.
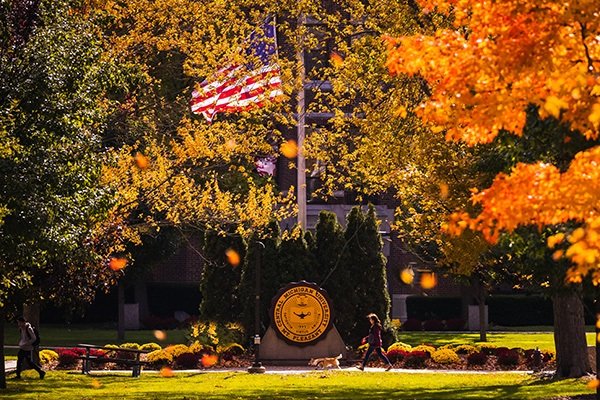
(543, 340)
(61, 335)
(312, 385)
(66, 336)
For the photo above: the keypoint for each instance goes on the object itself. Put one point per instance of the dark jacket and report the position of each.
(375, 336)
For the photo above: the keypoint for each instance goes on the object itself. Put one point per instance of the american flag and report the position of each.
(242, 87)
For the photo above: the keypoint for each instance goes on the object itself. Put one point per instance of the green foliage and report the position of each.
(234, 349)
(361, 277)
(212, 334)
(265, 249)
(295, 261)
(220, 278)
(328, 248)
(54, 108)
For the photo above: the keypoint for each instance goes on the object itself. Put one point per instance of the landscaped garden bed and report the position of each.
(482, 356)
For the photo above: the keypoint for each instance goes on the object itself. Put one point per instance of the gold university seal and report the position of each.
(301, 313)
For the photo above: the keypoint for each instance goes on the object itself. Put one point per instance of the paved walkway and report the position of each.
(287, 370)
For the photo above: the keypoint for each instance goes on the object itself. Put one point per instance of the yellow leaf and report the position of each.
(553, 105)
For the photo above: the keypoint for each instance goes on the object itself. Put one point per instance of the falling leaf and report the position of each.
(336, 59)
(289, 149)
(160, 335)
(166, 372)
(96, 384)
(428, 280)
(208, 360)
(444, 190)
(593, 384)
(233, 258)
(141, 160)
(407, 275)
(117, 264)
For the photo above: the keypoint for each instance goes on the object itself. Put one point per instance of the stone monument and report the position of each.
(301, 327)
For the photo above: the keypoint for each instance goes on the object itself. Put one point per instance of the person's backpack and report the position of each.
(36, 342)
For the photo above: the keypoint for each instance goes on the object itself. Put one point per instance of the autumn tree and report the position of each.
(55, 98)
(484, 71)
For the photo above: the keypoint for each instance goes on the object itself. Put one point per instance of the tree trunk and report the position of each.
(121, 311)
(2, 370)
(480, 294)
(141, 297)
(569, 336)
(482, 319)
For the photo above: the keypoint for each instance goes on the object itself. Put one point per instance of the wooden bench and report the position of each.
(88, 359)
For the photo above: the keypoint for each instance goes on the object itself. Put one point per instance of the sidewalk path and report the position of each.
(287, 370)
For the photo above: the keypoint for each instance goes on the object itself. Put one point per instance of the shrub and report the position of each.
(396, 355)
(150, 347)
(215, 333)
(111, 353)
(196, 347)
(508, 357)
(132, 346)
(177, 349)
(48, 356)
(412, 324)
(433, 325)
(445, 356)
(429, 350)
(415, 359)
(187, 360)
(487, 348)
(67, 358)
(399, 346)
(478, 358)
(455, 324)
(465, 349)
(532, 359)
(159, 358)
(500, 351)
(232, 349)
(548, 355)
(362, 349)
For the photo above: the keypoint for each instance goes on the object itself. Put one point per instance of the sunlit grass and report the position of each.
(542, 340)
(312, 385)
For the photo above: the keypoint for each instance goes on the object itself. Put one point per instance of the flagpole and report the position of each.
(301, 165)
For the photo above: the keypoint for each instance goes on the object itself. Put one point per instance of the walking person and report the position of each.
(26, 347)
(374, 341)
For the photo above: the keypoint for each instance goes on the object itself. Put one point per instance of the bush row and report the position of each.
(174, 356)
(473, 355)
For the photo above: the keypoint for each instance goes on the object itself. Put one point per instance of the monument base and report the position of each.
(276, 351)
